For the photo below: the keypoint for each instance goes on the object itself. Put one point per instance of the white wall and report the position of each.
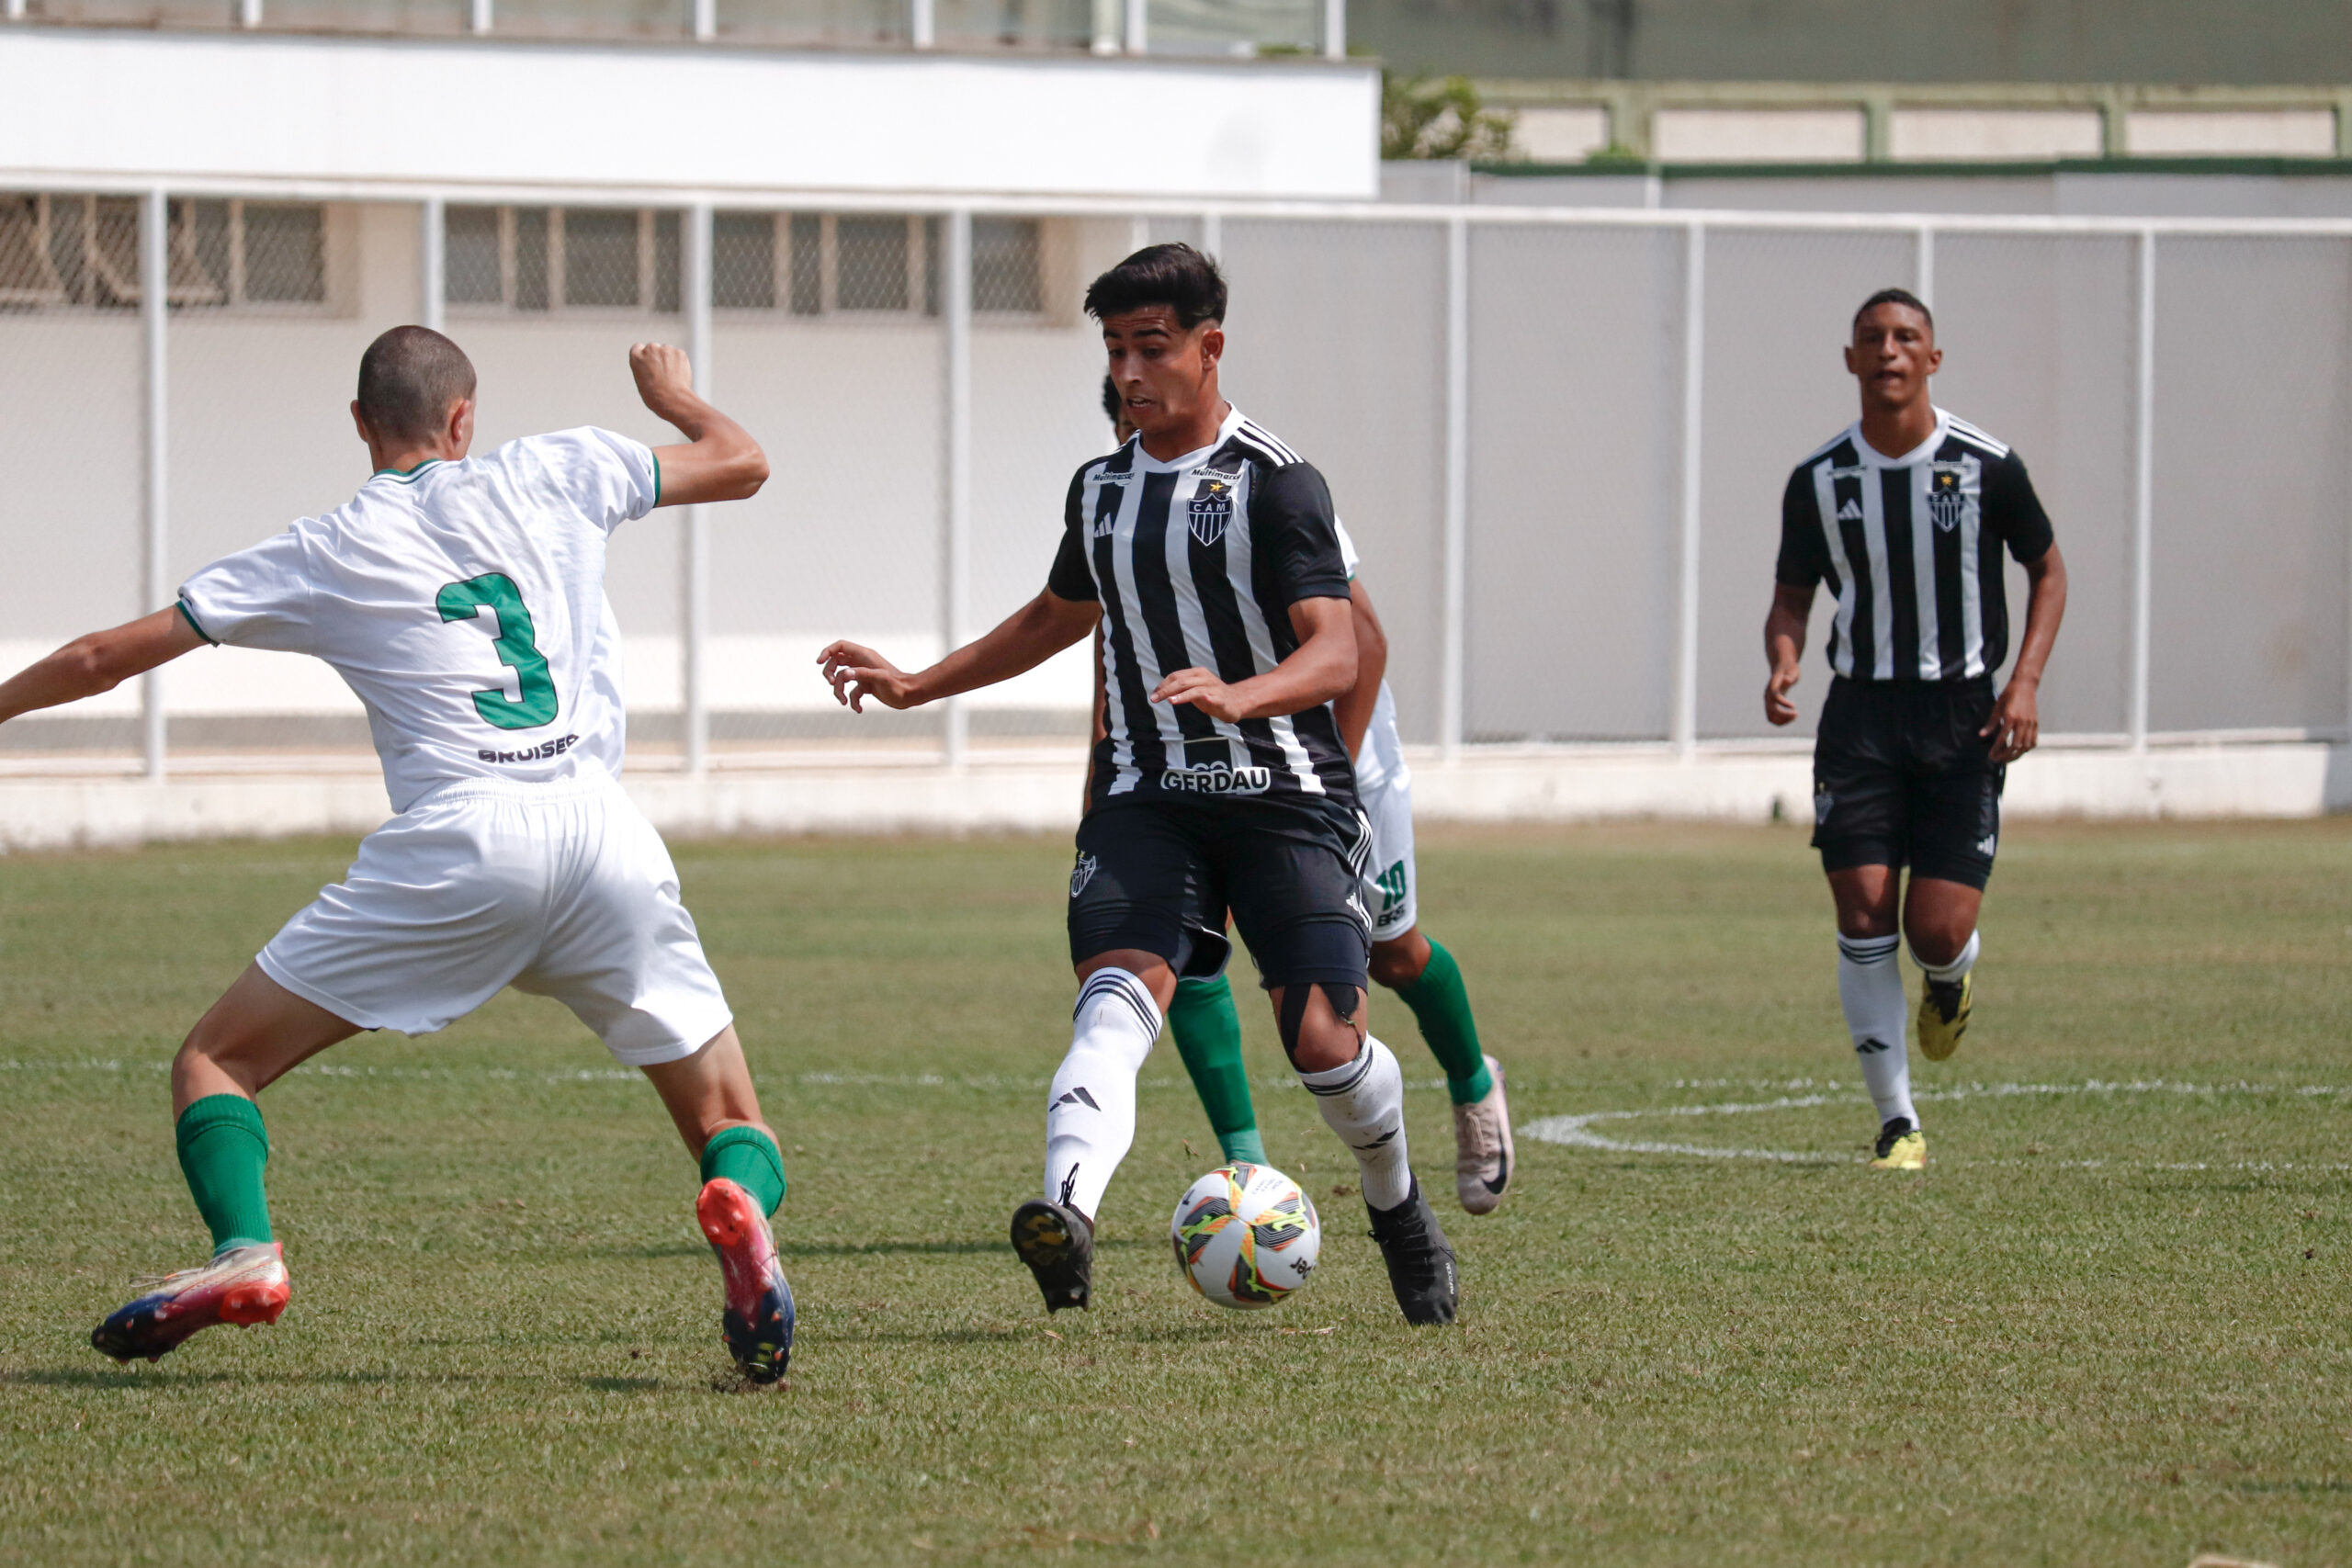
(281, 108)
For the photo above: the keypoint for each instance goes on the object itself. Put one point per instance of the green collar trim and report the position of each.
(407, 475)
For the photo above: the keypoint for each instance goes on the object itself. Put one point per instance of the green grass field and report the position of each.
(2108, 1325)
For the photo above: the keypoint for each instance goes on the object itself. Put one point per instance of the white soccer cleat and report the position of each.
(1482, 1154)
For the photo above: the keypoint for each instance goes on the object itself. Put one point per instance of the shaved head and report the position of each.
(409, 379)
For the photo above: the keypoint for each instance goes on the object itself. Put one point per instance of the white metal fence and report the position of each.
(1560, 438)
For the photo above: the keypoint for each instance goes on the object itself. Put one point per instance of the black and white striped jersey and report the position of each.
(1196, 563)
(1912, 548)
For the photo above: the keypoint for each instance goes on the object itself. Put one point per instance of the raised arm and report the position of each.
(723, 463)
(1355, 710)
(1020, 642)
(1784, 647)
(98, 662)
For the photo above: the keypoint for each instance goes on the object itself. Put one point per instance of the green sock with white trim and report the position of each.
(223, 1147)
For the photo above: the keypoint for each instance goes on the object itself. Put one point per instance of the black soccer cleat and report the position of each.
(1419, 1258)
(1057, 1243)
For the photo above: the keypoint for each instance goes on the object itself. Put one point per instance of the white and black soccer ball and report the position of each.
(1246, 1236)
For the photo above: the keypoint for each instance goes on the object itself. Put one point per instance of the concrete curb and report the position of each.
(1558, 785)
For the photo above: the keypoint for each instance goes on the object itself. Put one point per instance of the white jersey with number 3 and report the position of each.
(464, 603)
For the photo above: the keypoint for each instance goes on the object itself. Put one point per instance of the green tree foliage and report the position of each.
(1421, 118)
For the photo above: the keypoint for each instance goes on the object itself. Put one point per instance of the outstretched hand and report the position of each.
(857, 673)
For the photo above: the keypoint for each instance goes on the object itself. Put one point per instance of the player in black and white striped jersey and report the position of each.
(1913, 743)
(1207, 552)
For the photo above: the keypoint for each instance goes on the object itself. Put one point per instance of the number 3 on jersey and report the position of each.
(496, 592)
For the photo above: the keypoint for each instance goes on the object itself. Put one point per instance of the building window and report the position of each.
(81, 252)
(540, 259)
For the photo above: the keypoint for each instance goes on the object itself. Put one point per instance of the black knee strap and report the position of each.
(1344, 999)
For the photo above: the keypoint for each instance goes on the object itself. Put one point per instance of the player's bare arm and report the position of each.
(1784, 648)
(1321, 670)
(2016, 724)
(98, 662)
(1020, 642)
(723, 463)
(1354, 710)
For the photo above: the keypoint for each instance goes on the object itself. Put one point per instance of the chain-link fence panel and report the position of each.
(174, 13)
(593, 18)
(1014, 24)
(271, 314)
(72, 392)
(2039, 335)
(1335, 342)
(1233, 27)
(1780, 306)
(547, 301)
(827, 347)
(426, 17)
(2253, 484)
(1574, 466)
(813, 21)
(1037, 372)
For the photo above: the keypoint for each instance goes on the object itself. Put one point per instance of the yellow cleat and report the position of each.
(1943, 1017)
(1901, 1146)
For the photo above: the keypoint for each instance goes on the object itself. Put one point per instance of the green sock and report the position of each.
(1208, 1036)
(223, 1149)
(1442, 1007)
(749, 1159)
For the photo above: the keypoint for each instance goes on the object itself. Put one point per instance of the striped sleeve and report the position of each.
(1804, 553)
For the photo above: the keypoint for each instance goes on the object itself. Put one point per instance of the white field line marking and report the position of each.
(1576, 1131)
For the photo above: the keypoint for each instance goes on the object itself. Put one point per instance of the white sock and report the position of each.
(1946, 974)
(1869, 986)
(1363, 1101)
(1090, 1109)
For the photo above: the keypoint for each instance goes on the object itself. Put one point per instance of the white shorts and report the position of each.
(561, 889)
(1384, 790)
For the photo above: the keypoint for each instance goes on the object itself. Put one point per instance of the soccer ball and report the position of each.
(1246, 1236)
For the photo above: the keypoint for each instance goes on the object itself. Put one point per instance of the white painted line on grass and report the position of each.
(1577, 1132)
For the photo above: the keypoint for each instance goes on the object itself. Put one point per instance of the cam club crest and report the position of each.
(1946, 501)
(1212, 506)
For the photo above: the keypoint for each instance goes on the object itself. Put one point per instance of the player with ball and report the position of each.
(1207, 552)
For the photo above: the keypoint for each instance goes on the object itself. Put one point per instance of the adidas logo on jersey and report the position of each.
(1852, 511)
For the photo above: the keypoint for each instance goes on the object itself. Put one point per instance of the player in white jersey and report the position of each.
(1203, 1017)
(462, 599)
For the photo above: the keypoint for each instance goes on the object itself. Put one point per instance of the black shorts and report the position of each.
(1161, 876)
(1902, 777)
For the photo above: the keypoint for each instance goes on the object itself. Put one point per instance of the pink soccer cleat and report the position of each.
(246, 1286)
(758, 1320)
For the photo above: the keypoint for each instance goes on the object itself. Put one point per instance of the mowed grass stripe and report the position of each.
(2052, 1349)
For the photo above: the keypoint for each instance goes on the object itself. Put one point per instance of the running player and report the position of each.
(1203, 1017)
(1206, 549)
(1905, 514)
(462, 599)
